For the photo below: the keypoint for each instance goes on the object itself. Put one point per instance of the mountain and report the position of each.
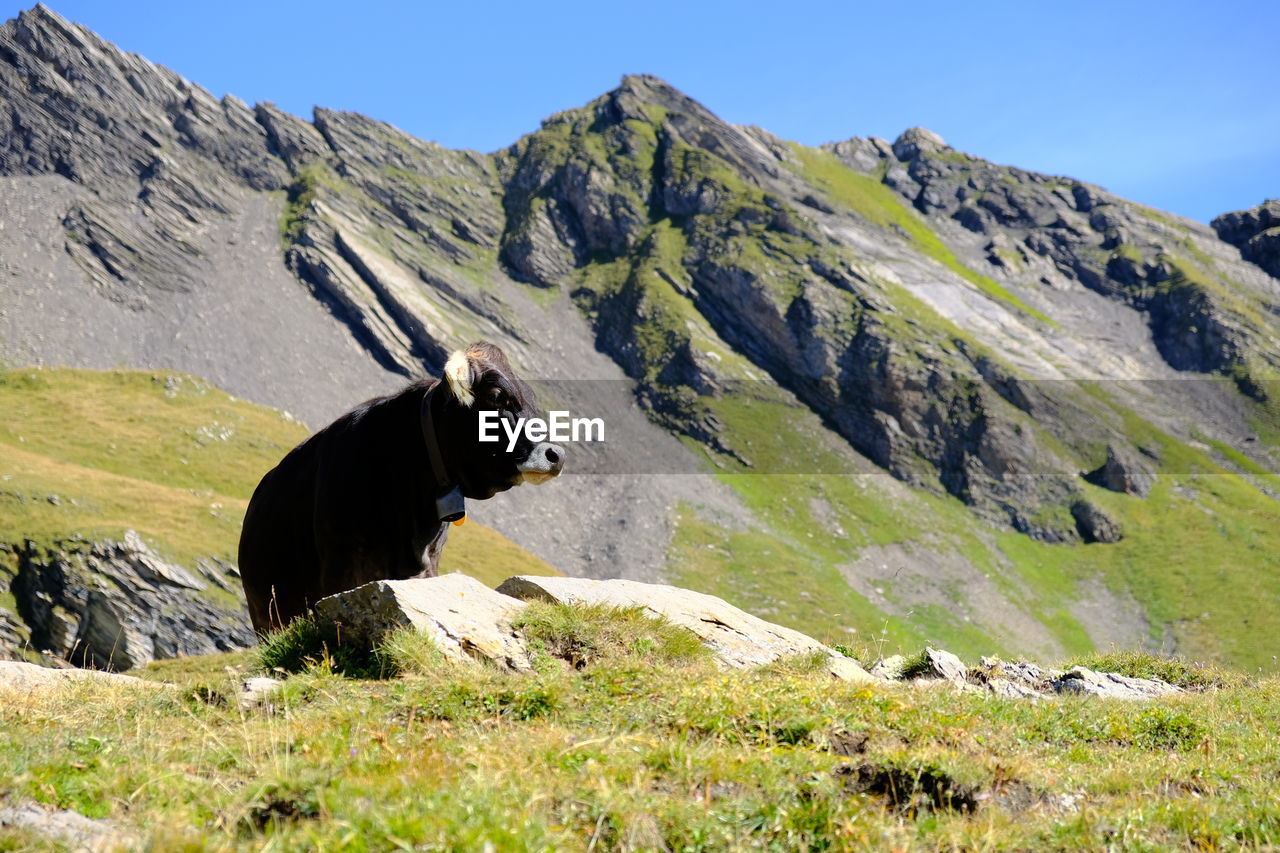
(880, 391)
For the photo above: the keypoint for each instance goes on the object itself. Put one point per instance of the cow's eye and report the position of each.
(496, 397)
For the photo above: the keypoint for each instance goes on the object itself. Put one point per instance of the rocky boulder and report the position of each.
(77, 832)
(914, 140)
(737, 638)
(1124, 472)
(118, 605)
(1017, 679)
(467, 620)
(1094, 524)
(23, 677)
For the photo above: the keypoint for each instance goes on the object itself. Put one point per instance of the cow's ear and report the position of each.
(457, 372)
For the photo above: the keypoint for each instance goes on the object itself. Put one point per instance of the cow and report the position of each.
(369, 497)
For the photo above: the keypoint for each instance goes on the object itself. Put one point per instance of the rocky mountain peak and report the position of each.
(637, 95)
(915, 140)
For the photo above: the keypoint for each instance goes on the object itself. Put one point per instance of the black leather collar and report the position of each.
(450, 505)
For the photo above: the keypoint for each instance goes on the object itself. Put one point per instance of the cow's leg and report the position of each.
(429, 557)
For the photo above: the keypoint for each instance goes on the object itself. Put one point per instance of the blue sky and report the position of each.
(1173, 104)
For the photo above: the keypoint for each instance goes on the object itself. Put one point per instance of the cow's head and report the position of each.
(480, 379)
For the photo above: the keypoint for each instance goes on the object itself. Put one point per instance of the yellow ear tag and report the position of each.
(459, 522)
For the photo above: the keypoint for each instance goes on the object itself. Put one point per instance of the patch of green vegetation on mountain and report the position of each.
(881, 206)
(634, 285)
(298, 200)
(1193, 276)
(488, 556)
(779, 580)
(160, 427)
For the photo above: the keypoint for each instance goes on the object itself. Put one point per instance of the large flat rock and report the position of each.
(737, 638)
(29, 677)
(465, 618)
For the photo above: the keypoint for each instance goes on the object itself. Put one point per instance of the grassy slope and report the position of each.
(164, 454)
(642, 748)
(1206, 539)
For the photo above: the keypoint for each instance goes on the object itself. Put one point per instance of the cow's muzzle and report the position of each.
(545, 461)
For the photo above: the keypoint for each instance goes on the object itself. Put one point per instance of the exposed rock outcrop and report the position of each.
(1256, 233)
(468, 621)
(1125, 472)
(22, 677)
(117, 605)
(1018, 679)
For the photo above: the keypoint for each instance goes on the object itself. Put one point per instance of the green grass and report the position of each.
(880, 206)
(629, 754)
(582, 635)
(299, 197)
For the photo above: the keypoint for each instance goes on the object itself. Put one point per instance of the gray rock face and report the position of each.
(1256, 233)
(916, 140)
(943, 664)
(1086, 682)
(1067, 234)
(14, 635)
(117, 605)
(1094, 524)
(139, 232)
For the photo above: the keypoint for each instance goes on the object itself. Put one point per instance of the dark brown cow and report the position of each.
(369, 496)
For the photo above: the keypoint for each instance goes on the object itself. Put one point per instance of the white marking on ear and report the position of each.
(457, 372)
